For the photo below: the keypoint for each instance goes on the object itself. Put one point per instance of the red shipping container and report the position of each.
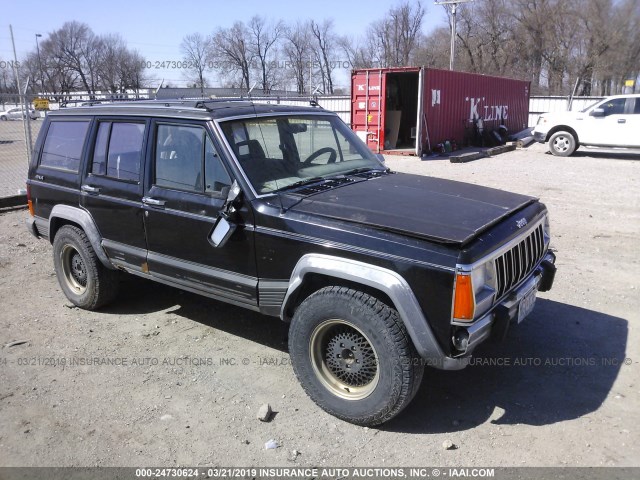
(412, 109)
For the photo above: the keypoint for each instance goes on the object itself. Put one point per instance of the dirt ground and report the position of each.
(168, 378)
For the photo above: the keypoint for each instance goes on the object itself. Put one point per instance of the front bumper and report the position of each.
(540, 136)
(496, 323)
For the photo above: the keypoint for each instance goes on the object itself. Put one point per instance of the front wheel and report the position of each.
(353, 356)
(562, 144)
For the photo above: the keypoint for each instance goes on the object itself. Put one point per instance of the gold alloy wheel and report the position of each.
(74, 270)
(344, 359)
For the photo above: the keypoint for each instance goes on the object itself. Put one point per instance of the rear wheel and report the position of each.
(83, 279)
(353, 356)
(562, 144)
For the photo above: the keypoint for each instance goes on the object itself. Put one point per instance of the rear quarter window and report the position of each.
(63, 145)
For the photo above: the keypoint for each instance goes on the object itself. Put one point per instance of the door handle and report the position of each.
(622, 120)
(153, 201)
(90, 189)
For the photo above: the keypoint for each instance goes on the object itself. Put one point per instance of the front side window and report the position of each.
(118, 150)
(186, 159)
(63, 146)
(614, 106)
(277, 152)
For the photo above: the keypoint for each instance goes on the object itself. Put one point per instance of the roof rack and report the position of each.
(185, 102)
(207, 104)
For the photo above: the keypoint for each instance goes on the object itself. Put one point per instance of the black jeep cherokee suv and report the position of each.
(283, 210)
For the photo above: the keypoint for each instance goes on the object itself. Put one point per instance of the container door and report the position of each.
(420, 126)
(367, 107)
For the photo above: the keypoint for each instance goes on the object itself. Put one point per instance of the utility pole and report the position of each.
(40, 63)
(22, 97)
(454, 8)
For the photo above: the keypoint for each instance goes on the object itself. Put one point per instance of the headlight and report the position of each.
(547, 227)
(483, 277)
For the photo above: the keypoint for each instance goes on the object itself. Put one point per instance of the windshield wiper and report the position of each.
(301, 183)
(355, 171)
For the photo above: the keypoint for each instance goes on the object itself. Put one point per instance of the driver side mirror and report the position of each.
(224, 227)
(222, 232)
(597, 112)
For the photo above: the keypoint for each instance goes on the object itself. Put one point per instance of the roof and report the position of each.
(193, 109)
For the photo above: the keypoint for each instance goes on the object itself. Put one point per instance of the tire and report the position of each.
(562, 144)
(82, 277)
(3, 118)
(353, 356)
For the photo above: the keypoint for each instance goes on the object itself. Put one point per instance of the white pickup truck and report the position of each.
(611, 123)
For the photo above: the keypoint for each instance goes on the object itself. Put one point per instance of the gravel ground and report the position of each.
(187, 375)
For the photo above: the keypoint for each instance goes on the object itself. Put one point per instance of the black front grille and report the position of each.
(514, 265)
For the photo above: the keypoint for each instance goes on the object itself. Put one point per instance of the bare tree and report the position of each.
(324, 48)
(196, 50)
(433, 50)
(263, 38)
(231, 50)
(355, 52)
(393, 39)
(74, 58)
(297, 50)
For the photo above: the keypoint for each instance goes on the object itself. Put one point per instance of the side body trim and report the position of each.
(387, 281)
(84, 219)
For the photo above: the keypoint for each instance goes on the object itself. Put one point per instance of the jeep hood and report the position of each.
(426, 207)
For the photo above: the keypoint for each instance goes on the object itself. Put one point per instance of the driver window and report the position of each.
(183, 154)
(614, 106)
(311, 136)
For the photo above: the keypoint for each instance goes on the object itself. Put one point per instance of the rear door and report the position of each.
(185, 190)
(55, 171)
(111, 188)
(629, 124)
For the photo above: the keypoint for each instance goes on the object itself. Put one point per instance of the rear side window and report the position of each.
(118, 150)
(63, 146)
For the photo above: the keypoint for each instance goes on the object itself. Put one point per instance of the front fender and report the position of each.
(387, 281)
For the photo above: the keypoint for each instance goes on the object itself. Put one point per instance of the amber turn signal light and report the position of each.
(29, 201)
(463, 303)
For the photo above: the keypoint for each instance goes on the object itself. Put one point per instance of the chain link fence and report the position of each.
(21, 117)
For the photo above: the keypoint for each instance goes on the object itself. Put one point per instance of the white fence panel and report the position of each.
(539, 105)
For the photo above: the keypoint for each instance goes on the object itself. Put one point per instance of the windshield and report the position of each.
(278, 152)
(591, 105)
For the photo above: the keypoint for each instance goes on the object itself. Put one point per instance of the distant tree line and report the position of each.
(559, 45)
(74, 58)
(590, 45)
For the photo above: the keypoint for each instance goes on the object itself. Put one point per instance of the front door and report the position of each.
(185, 190)
(605, 130)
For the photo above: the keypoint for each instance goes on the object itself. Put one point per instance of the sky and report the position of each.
(156, 29)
